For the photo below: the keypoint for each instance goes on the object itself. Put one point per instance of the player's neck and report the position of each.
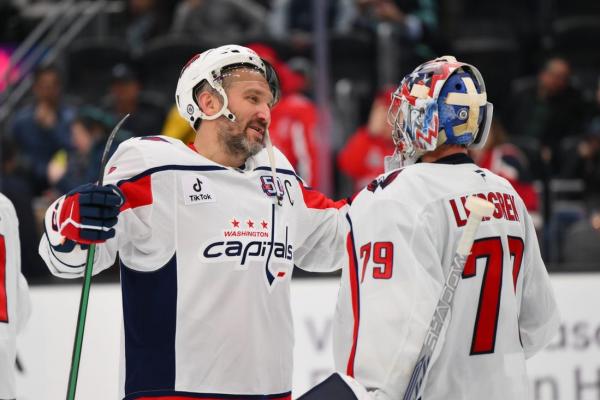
(443, 151)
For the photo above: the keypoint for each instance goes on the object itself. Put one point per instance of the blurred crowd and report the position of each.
(545, 134)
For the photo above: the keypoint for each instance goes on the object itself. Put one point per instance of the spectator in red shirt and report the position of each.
(362, 156)
(293, 119)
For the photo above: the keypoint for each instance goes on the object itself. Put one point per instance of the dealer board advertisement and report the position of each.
(568, 369)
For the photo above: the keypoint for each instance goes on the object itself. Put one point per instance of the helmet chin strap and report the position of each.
(228, 114)
(225, 112)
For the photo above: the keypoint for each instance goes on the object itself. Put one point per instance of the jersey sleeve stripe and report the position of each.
(137, 193)
(56, 258)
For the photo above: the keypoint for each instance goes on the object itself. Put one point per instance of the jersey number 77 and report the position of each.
(486, 322)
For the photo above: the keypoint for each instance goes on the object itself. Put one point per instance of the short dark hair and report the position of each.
(201, 87)
(45, 69)
(554, 58)
(92, 118)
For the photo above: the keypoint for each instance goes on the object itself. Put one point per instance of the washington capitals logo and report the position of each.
(382, 181)
(481, 173)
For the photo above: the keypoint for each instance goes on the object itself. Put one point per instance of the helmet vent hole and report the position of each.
(458, 86)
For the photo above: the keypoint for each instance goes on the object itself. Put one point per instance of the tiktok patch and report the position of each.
(197, 189)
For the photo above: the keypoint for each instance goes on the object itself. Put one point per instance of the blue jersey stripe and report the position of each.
(173, 168)
(204, 168)
(150, 317)
(278, 170)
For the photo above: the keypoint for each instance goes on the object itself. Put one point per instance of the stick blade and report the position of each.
(479, 206)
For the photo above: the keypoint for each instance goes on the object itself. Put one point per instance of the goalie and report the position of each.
(404, 229)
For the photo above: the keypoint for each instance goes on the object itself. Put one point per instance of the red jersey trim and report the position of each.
(3, 294)
(354, 290)
(316, 199)
(137, 193)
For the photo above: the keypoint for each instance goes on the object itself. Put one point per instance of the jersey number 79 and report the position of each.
(383, 258)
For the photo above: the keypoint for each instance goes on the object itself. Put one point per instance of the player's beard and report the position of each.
(237, 142)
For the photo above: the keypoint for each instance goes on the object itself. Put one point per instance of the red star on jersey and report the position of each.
(235, 223)
(250, 224)
(264, 224)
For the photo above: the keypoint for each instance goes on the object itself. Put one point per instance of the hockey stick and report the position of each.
(478, 208)
(87, 282)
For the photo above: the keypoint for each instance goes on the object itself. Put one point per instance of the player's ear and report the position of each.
(209, 102)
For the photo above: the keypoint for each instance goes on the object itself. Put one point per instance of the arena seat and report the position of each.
(89, 63)
(162, 58)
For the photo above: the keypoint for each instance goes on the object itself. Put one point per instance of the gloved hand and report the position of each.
(89, 213)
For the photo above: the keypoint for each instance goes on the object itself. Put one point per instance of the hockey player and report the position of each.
(404, 229)
(14, 296)
(207, 236)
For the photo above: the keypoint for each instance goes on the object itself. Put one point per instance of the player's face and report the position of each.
(250, 101)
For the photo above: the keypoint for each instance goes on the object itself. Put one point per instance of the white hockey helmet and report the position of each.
(210, 67)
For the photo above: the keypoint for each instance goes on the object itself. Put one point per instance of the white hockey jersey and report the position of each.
(14, 296)
(405, 228)
(206, 261)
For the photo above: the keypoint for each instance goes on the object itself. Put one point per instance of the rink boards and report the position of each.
(569, 369)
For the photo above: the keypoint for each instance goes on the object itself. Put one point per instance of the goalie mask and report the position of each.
(212, 66)
(442, 101)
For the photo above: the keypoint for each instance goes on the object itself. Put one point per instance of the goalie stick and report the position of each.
(478, 209)
(87, 282)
